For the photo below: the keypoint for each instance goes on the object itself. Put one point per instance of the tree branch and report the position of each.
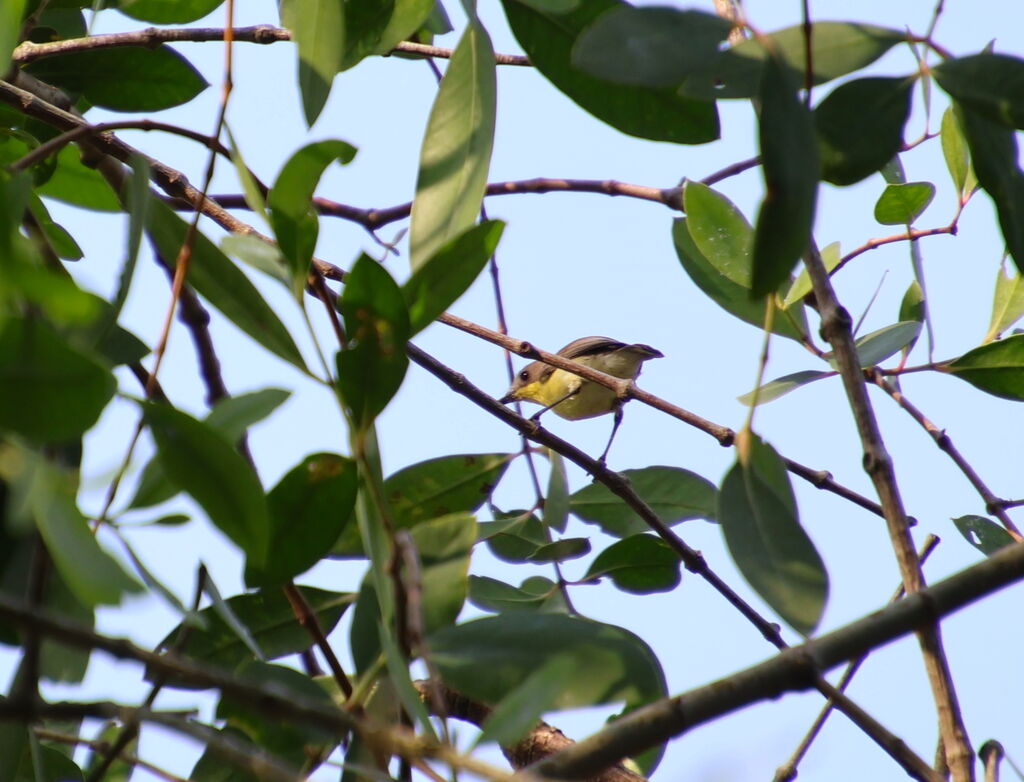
(836, 329)
(27, 51)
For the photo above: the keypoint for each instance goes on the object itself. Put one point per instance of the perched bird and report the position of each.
(572, 397)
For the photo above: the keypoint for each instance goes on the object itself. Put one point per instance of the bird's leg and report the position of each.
(615, 427)
(536, 416)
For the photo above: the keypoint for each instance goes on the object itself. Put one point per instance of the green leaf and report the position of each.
(789, 160)
(860, 127)
(232, 415)
(876, 347)
(673, 493)
(518, 541)
(954, 150)
(447, 484)
(119, 770)
(259, 254)
(548, 35)
(271, 622)
(372, 364)
(223, 284)
(991, 84)
(309, 508)
(91, 574)
(487, 659)
(407, 17)
(251, 188)
(996, 368)
(444, 546)
(837, 48)
(720, 231)
(292, 216)
(561, 550)
(365, 22)
(984, 534)
(446, 275)
(830, 257)
(518, 712)
(202, 462)
(534, 594)
(639, 564)
(54, 766)
(125, 78)
(903, 204)
(649, 47)
(49, 390)
(781, 386)
(75, 183)
(456, 151)
(1007, 303)
(758, 514)
(318, 30)
(11, 13)
(994, 154)
(556, 501)
(914, 308)
(162, 12)
(733, 298)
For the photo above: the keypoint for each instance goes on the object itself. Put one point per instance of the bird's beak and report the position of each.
(509, 397)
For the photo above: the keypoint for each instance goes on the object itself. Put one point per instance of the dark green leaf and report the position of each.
(372, 364)
(996, 368)
(515, 539)
(223, 284)
(733, 298)
(163, 12)
(365, 23)
(984, 534)
(789, 160)
(448, 484)
(49, 390)
(837, 48)
(556, 502)
(119, 346)
(78, 184)
(758, 514)
(126, 78)
(54, 766)
(781, 386)
(446, 275)
(994, 154)
(673, 493)
(649, 47)
(534, 594)
(318, 29)
(1007, 303)
(488, 659)
(294, 221)
(954, 150)
(548, 36)
(456, 153)
(640, 564)
(120, 769)
(860, 127)
(991, 84)
(202, 462)
(271, 622)
(876, 347)
(283, 739)
(211, 766)
(309, 508)
(562, 550)
(903, 204)
(519, 711)
(444, 546)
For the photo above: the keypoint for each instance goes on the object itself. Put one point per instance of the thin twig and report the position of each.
(993, 504)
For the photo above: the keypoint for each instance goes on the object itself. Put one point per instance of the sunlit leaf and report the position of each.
(876, 347)
(781, 386)
(996, 368)
(902, 204)
(1007, 303)
(318, 29)
(954, 150)
(162, 12)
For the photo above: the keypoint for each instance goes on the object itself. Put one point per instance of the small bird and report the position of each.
(572, 397)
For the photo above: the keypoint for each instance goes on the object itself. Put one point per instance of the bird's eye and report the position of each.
(524, 375)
